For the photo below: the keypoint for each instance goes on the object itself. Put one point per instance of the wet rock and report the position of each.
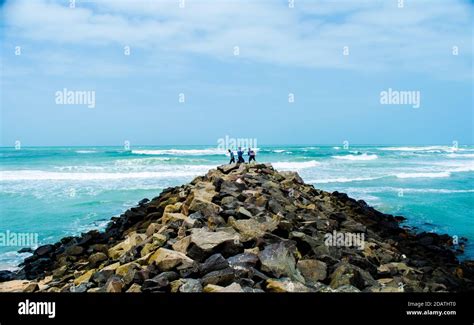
(74, 250)
(44, 250)
(6, 276)
(25, 250)
(143, 201)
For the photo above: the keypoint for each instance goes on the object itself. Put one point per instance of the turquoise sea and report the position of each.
(59, 191)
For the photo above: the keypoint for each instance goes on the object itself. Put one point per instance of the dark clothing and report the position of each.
(232, 157)
(251, 155)
(240, 157)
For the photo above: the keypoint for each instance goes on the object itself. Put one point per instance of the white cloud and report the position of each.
(381, 37)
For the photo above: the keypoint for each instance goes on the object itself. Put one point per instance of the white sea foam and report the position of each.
(341, 180)
(455, 166)
(385, 189)
(86, 151)
(39, 175)
(460, 155)
(181, 152)
(357, 157)
(424, 175)
(435, 190)
(429, 149)
(293, 165)
(279, 151)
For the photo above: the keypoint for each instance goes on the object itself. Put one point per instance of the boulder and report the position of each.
(74, 250)
(182, 244)
(287, 285)
(127, 271)
(114, 284)
(204, 243)
(191, 285)
(134, 288)
(97, 258)
(243, 213)
(251, 229)
(18, 286)
(227, 168)
(312, 270)
(348, 274)
(213, 263)
(244, 260)
(167, 259)
(206, 208)
(220, 277)
(125, 246)
(160, 282)
(152, 228)
(278, 259)
(44, 250)
(85, 277)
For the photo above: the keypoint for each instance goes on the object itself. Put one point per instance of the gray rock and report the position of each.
(191, 285)
(348, 274)
(221, 277)
(244, 260)
(213, 263)
(312, 270)
(205, 242)
(279, 260)
(44, 250)
(114, 284)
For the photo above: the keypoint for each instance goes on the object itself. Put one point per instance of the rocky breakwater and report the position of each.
(246, 228)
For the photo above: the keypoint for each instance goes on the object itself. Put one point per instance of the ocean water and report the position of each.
(59, 191)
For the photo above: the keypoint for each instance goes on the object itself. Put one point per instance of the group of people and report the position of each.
(240, 156)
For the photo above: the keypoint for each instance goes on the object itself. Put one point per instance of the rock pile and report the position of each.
(247, 228)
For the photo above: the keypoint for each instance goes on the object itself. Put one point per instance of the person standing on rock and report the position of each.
(240, 156)
(251, 155)
(232, 157)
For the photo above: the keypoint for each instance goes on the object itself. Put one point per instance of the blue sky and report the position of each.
(190, 50)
